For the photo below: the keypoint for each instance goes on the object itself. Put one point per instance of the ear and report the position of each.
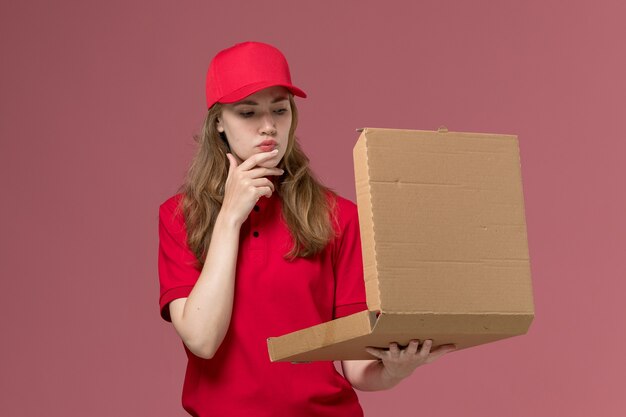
(219, 125)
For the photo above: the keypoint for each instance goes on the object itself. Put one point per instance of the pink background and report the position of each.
(99, 101)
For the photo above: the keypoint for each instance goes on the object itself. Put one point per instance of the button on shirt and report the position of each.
(272, 297)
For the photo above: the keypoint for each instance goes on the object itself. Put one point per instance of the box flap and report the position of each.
(347, 337)
(442, 222)
(326, 340)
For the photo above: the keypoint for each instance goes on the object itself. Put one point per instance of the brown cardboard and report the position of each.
(444, 243)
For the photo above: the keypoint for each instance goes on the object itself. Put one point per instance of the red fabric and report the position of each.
(272, 297)
(245, 68)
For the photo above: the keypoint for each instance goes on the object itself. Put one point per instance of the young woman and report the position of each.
(254, 246)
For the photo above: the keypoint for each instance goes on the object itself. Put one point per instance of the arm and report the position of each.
(367, 375)
(392, 366)
(202, 319)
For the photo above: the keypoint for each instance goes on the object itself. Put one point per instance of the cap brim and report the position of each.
(249, 89)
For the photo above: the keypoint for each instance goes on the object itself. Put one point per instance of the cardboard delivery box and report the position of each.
(445, 251)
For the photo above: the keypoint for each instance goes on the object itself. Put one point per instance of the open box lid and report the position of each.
(441, 211)
(443, 236)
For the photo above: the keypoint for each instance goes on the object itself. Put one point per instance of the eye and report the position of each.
(280, 111)
(247, 114)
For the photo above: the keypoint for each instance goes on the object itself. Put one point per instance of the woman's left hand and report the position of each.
(400, 363)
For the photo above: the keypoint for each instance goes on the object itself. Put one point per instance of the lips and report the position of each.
(267, 145)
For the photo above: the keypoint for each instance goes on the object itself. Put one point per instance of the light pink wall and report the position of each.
(98, 102)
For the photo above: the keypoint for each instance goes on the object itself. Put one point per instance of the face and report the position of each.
(258, 123)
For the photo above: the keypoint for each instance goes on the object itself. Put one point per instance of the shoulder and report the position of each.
(170, 211)
(343, 206)
(344, 211)
(171, 203)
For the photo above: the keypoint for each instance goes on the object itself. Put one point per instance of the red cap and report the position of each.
(244, 69)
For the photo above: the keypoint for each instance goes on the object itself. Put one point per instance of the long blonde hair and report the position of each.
(306, 207)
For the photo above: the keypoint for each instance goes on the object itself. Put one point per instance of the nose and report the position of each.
(268, 126)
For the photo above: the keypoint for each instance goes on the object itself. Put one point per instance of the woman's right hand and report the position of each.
(246, 183)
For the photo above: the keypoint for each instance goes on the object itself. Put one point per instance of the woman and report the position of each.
(254, 246)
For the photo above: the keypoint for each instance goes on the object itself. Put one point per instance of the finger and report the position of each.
(411, 349)
(425, 350)
(263, 182)
(375, 352)
(394, 350)
(257, 158)
(444, 349)
(263, 172)
(440, 351)
(265, 191)
(232, 162)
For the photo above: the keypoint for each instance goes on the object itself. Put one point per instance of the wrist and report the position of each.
(224, 219)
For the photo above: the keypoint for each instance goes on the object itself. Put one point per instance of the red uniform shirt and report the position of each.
(272, 297)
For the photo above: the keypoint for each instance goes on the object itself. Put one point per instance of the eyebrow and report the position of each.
(254, 103)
